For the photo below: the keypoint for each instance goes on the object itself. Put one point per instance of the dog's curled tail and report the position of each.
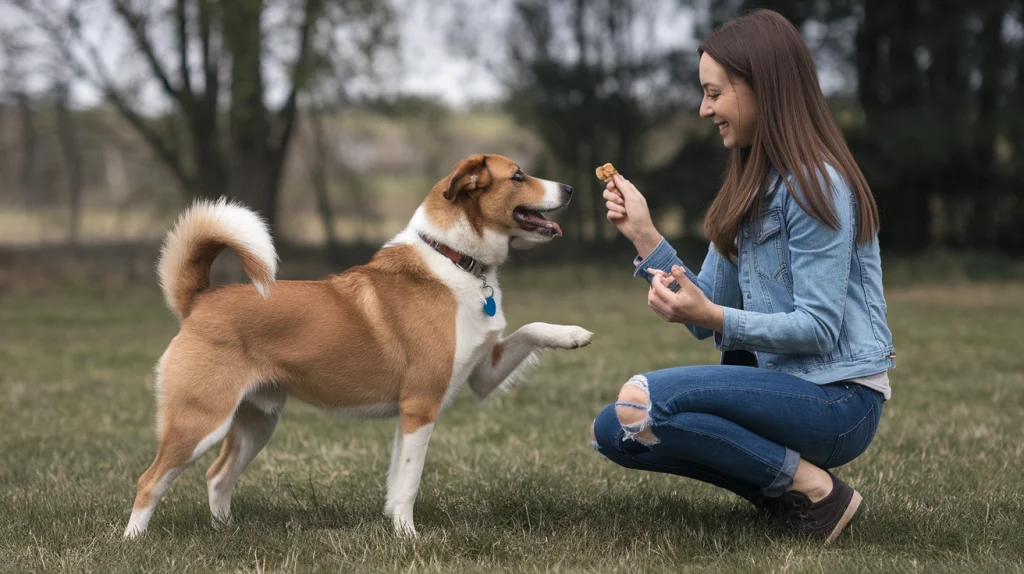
(200, 234)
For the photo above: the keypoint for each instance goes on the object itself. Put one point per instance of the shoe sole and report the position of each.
(848, 514)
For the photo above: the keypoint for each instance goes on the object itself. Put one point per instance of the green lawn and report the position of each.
(511, 485)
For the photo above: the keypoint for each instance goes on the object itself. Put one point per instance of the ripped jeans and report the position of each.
(739, 428)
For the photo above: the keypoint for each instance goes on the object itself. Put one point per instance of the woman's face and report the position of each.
(728, 103)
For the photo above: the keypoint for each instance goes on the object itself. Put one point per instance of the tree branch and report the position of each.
(181, 17)
(138, 24)
(211, 57)
(301, 73)
(167, 154)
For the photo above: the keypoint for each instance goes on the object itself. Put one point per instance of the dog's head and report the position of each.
(488, 199)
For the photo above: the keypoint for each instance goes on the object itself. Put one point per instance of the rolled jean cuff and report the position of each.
(784, 480)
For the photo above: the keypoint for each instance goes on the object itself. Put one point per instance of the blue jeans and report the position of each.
(740, 428)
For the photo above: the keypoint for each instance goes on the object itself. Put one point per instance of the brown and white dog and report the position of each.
(397, 336)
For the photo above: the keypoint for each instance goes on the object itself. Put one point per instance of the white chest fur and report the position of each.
(475, 331)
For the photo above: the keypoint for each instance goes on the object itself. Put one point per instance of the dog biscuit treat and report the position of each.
(606, 171)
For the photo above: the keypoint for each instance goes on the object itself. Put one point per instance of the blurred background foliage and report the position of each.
(115, 113)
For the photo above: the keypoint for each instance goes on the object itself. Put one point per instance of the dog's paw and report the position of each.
(132, 532)
(404, 527)
(222, 522)
(567, 337)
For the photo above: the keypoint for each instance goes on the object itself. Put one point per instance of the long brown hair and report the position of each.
(795, 130)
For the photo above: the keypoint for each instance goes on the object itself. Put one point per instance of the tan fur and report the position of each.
(478, 201)
(317, 341)
(189, 251)
(378, 336)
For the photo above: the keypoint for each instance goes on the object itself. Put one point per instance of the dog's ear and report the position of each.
(469, 174)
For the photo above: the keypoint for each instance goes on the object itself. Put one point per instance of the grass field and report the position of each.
(511, 485)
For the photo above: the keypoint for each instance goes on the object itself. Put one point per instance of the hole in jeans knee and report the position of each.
(646, 437)
(593, 441)
(633, 411)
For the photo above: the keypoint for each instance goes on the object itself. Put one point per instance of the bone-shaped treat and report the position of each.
(606, 171)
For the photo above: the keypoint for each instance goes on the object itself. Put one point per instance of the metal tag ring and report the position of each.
(488, 291)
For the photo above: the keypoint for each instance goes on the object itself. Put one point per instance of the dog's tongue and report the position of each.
(541, 222)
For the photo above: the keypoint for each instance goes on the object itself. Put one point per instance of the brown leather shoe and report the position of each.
(768, 506)
(825, 518)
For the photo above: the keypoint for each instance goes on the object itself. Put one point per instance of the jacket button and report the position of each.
(744, 255)
(746, 233)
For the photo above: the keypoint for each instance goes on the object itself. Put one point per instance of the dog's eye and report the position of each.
(518, 176)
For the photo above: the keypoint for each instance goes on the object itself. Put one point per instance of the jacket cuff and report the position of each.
(734, 326)
(663, 257)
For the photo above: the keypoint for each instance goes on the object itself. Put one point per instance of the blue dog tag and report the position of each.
(490, 307)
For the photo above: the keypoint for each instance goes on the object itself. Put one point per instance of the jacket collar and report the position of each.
(772, 182)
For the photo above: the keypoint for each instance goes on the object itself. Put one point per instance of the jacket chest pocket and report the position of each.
(770, 247)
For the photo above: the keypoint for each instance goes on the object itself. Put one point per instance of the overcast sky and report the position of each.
(426, 64)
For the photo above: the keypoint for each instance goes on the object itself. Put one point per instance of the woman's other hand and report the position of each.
(688, 306)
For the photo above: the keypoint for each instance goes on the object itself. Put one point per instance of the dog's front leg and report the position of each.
(522, 350)
(416, 422)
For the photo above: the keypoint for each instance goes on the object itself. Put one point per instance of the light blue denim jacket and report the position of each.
(805, 298)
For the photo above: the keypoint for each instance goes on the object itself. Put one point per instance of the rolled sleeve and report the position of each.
(663, 258)
(733, 329)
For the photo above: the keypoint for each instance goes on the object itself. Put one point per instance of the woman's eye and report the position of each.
(518, 176)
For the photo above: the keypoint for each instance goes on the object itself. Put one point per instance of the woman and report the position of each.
(792, 285)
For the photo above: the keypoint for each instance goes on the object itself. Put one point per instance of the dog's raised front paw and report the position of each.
(567, 337)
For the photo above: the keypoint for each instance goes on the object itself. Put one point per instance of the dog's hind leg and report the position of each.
(250, 431)
(191, 422)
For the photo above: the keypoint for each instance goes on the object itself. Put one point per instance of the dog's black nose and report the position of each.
(568, 190)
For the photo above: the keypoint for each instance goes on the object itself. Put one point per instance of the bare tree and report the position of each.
(209, 59)
(588, 77)
(14, 79)
(72, 157)
(319, 174)
(327, 168)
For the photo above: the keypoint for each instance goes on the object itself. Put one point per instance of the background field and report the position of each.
(511, 485)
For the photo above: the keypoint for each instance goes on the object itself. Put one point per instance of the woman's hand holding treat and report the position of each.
(627, 210)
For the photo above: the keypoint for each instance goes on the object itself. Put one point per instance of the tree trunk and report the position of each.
(981, 233)
(72, 161)
(320, 175)
(250, 178)
(28, 147)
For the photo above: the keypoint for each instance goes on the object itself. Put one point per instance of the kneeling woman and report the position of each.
(791, 285)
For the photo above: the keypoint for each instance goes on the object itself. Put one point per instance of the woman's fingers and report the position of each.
(658, 304)
(661, 291)
(614, 196)
(657, 273)
(659, 284)
(615, 207)
(625, 187)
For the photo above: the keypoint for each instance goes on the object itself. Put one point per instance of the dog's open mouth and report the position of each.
(535, 222)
